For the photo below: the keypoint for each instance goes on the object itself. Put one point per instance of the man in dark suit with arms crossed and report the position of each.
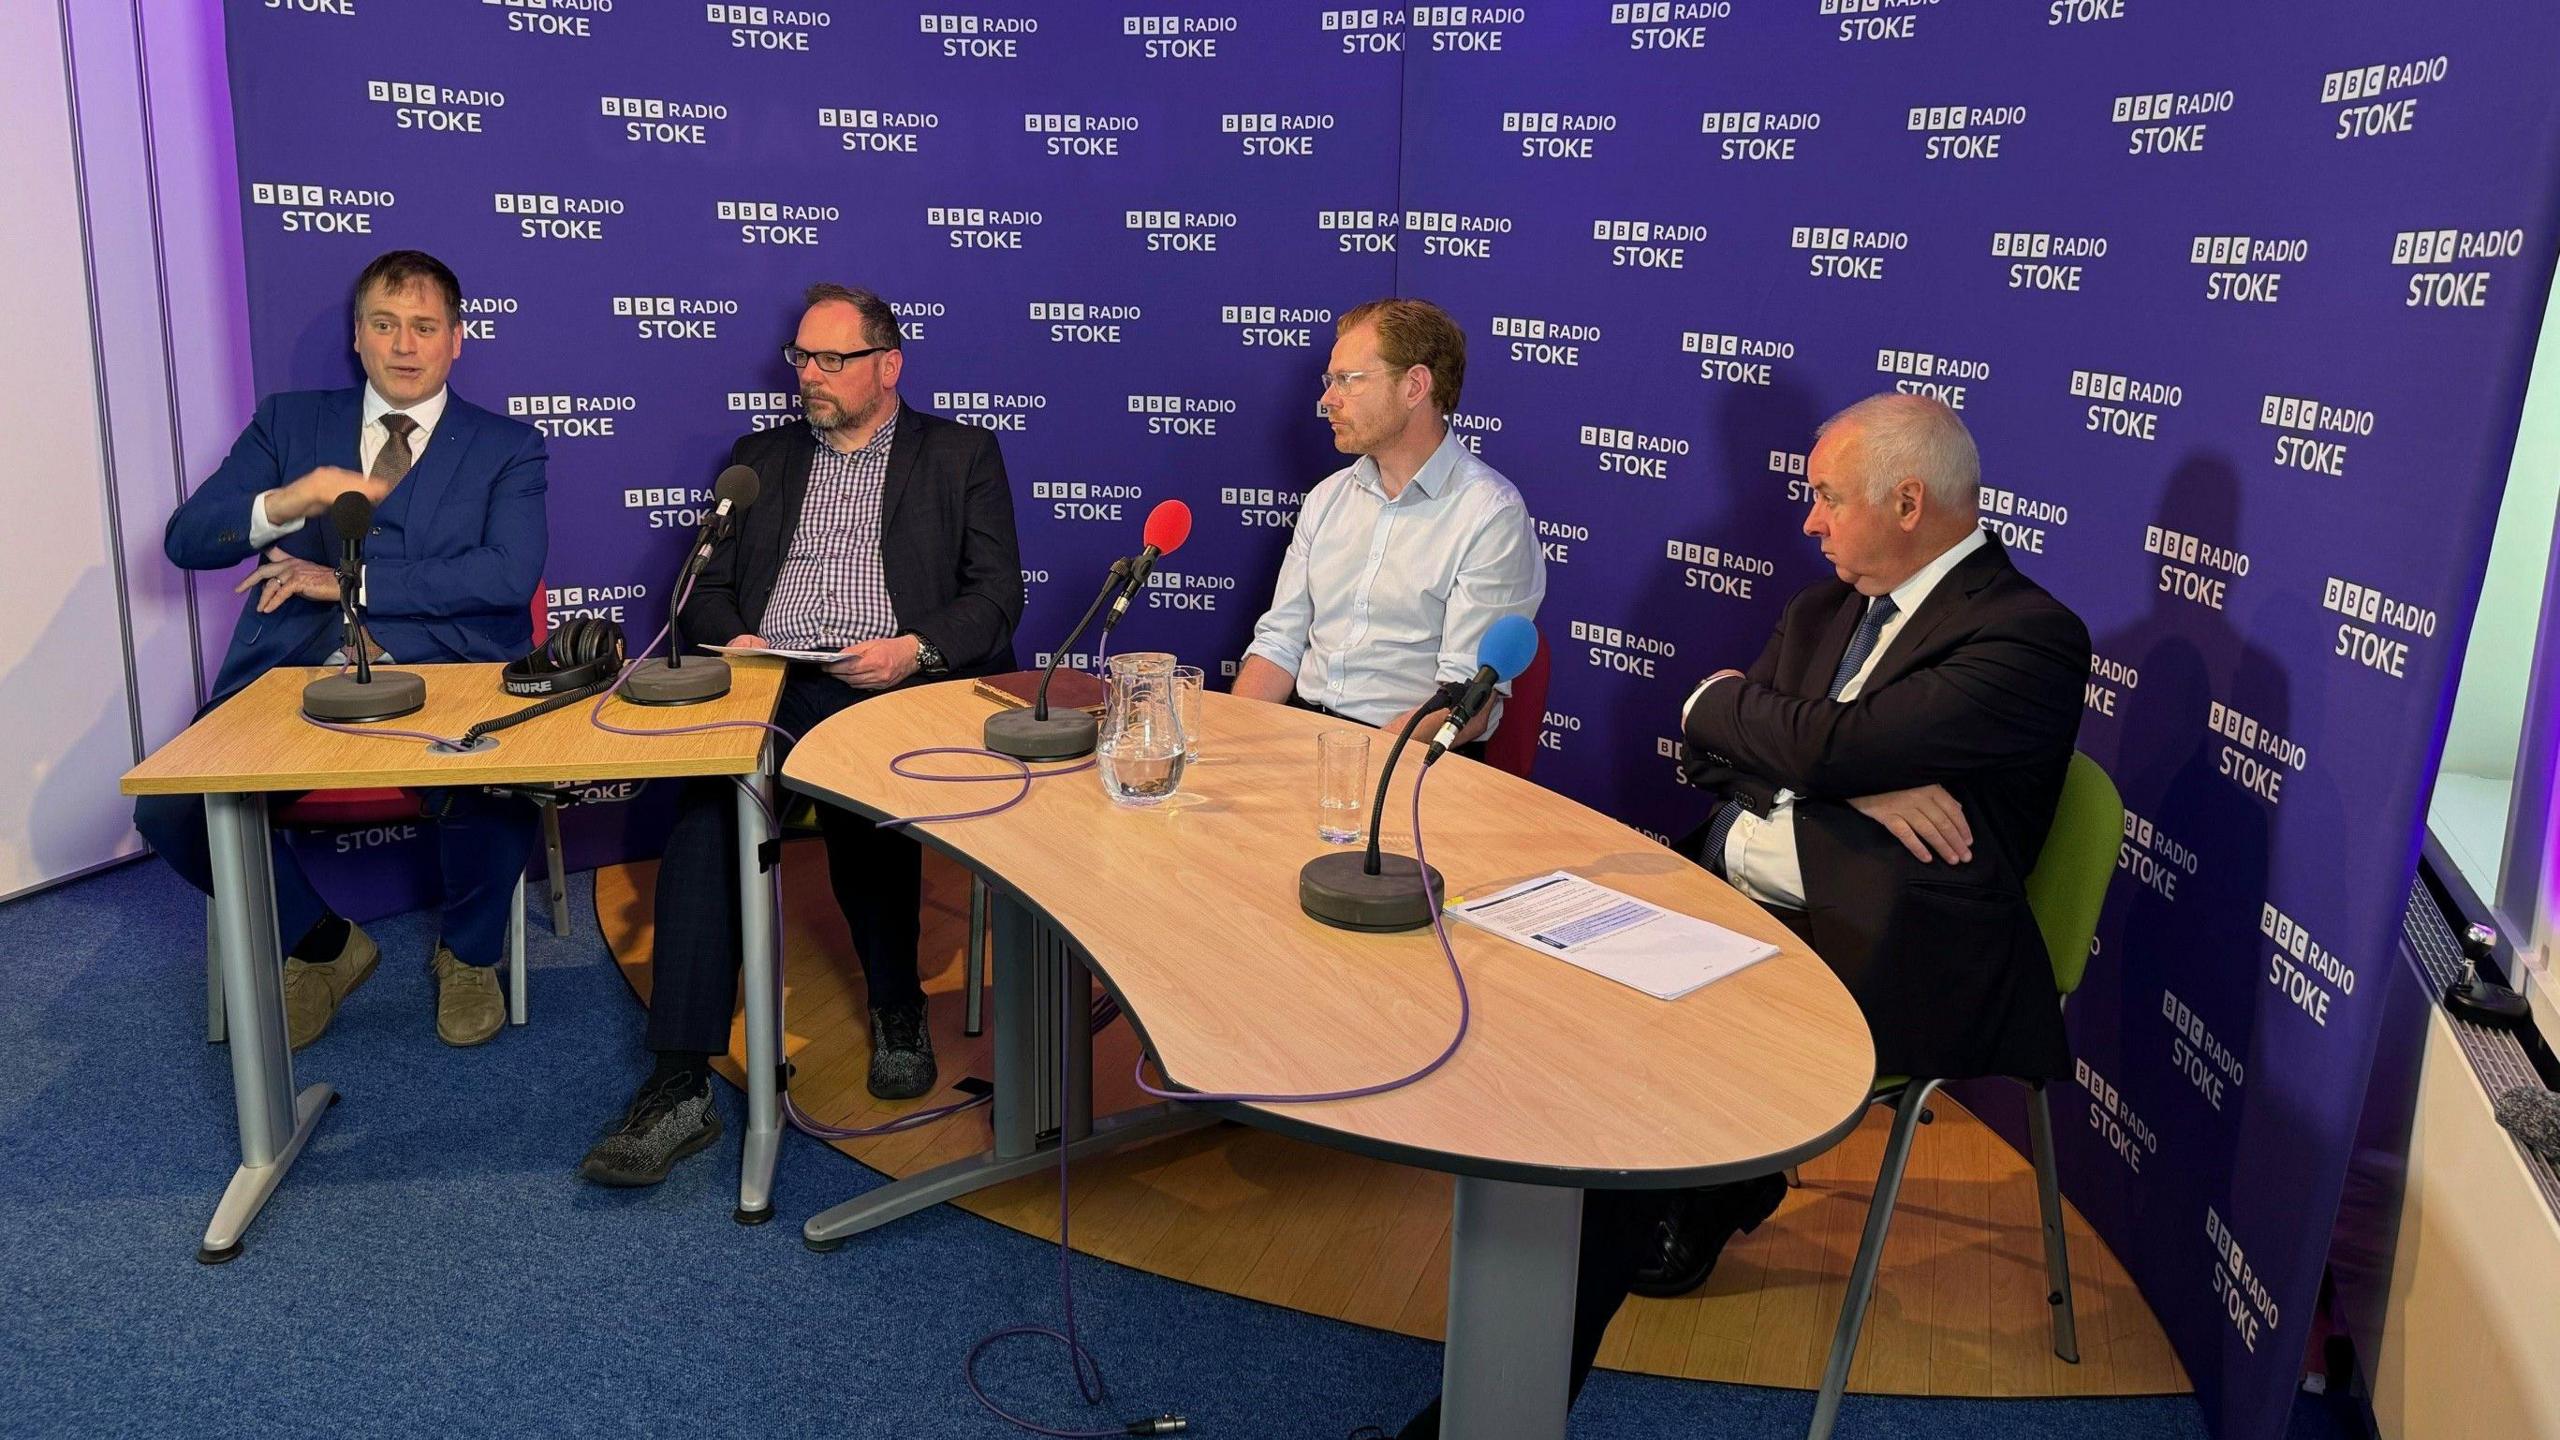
(1884, 777)
(884, 534)
(456, 551)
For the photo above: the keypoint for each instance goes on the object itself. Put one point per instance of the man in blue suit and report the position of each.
(451, 567)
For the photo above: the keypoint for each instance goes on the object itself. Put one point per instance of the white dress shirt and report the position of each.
(1379, 600)
(370, 438)
(1760, 850)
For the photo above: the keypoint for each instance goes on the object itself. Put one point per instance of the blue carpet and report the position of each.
(433, 1265)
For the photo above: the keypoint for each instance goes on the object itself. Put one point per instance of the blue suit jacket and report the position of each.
(450, 569)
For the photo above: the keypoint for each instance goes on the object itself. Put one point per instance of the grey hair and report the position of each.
(879, 322)
(1893, 435)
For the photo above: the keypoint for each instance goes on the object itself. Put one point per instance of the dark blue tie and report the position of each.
(1861, 645)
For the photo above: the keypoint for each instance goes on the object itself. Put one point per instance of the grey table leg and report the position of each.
(1041, 997)
(1513, 1254)
(275, 1122)
(760, 955)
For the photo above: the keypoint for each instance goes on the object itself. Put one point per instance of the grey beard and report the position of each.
(846, 422)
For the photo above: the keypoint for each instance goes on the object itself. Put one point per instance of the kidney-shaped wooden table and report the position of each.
(1188, 914)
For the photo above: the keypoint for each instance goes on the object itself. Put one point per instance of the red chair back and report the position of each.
(1514, 746)
(541, 616)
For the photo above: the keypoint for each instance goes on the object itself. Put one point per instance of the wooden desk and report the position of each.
(1188, 913)
(257, 742)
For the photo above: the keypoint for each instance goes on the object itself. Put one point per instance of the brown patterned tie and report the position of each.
(394, 461)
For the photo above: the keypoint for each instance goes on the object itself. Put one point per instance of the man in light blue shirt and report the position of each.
(1400, 561)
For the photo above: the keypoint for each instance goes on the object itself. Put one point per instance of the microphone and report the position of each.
(340, 699)
(1509, 644)
(1032, 732)
(1168, 525)
(668, 681)
(2533, 1113)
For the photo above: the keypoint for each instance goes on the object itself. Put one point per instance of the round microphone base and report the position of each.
(1065, 735)
(1339, 890)
(655, 682)
(345, 700)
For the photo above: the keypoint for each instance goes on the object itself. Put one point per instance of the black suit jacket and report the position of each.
(947, 546)
(1980, 692)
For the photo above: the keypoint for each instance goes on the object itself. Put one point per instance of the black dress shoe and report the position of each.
(1685, 1245)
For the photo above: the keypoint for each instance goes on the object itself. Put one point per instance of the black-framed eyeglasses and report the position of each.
(830, 361)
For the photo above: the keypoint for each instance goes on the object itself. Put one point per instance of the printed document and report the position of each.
(1661, 952)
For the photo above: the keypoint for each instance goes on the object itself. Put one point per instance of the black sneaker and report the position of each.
(1683, 1250)
(669, 1119)
(901, 1052)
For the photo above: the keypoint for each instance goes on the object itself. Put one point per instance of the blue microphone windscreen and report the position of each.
(1509, 644)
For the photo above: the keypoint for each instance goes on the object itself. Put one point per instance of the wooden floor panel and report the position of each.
(1960, 1302)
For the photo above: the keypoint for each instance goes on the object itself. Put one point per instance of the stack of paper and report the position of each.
(1660, 952)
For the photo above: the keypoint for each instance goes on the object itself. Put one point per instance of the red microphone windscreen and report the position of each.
(1168, 525)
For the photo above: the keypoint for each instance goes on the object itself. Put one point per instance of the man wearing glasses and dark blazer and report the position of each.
(883, 534)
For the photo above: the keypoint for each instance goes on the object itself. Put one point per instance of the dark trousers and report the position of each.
(1617, 1228)
(878, 877)
(482, 844)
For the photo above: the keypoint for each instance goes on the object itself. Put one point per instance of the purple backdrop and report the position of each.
(2237, 301)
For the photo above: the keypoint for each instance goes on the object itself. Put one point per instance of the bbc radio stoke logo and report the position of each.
(1736, 359)
(1465, 29)
(2020, 521)
(1456, 236)
(915, 316)
(2437, 287)
(572, 417)
(2394, 624)
(1079, 135)
(1086, 500)
(1557, 134)
(1539, 341)
(977, 227)
(1943, 378)
(2192, 568)
(1661, 25)
(989, 409)
(2036, 258)
(321, 209)
(1614, 648)
(2122, 406)
(2168, 122)
(980, 37)
(1179, 232)
(1963, 132)
(654, 120)
(435, 109)
(765, 409)
(672, 317)
(1270, 134)
(1841, 253)
(2364, 113)
(874, 131)
(2308, 973)
(557, 217)
(1758, 134)
(1361, 232)
(1716, 570)
(2310, 419)
(1627, 451)
(1648, 244)
(480, 315)
(2149, 854)
(1368, 31)
(2243, 266)
(771, 222)
(1192, 416)
(1178, 37)
(1285, 327)
(1867, 22)
(1080, 322)
(763, 27)
(551, 19)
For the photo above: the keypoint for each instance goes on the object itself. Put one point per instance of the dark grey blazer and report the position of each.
(947, 544)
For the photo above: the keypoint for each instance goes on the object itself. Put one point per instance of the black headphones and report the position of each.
(582, 653)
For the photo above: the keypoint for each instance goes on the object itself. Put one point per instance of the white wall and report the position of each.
(71, 728)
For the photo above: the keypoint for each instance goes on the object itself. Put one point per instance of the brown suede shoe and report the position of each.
(469, 1007)
(313, 989)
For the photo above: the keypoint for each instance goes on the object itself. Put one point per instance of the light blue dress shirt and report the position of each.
(1379, 600)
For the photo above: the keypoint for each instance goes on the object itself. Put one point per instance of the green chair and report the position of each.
(2066, 889)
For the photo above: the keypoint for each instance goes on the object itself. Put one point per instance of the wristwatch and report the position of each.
(928, 658)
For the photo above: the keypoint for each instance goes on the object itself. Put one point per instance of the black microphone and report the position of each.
(1509, 644)
(667, 682)
(351, 515)
(1168, 525)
